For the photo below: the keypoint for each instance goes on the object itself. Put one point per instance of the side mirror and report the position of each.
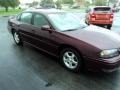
(46, 28)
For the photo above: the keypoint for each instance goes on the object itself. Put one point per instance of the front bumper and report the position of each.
(104, 65)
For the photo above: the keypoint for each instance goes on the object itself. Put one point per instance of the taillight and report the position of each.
(92, 16)
(111, 17)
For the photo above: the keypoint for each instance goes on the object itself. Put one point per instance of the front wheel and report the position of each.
(71, 59)
(17, 38)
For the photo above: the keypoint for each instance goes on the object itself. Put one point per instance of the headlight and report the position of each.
(109, 53)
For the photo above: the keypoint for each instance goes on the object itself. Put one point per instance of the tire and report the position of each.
(71, 60)
(109, 26)
(17, 38)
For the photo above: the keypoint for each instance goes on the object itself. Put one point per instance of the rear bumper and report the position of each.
(101, 22)
(105, 65)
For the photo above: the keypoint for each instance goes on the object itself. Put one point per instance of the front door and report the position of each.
(43, 38)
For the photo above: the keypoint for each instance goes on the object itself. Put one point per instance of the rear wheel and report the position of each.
(17, 38)
(109, 26)
(71, 59)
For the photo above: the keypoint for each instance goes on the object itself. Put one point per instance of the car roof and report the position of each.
(45, 11)
(92, 7)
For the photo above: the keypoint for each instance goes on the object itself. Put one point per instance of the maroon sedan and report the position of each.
(61, 34)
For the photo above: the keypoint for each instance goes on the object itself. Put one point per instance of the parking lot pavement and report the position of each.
(25, 68)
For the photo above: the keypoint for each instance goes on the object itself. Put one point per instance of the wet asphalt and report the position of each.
(26, 68)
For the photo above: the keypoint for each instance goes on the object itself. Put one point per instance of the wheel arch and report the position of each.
(63, 46)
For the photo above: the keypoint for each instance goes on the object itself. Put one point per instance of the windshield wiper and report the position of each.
(83, 27)
(70, 30)
(75, 29)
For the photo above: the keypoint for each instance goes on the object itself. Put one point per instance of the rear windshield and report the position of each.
(102, 9)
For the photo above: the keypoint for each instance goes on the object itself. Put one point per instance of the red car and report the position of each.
(62, 35)
(100, 15)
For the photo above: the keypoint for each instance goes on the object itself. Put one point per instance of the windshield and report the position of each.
(66, 21)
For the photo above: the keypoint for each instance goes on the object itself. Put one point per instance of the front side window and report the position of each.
(26, 18)
(40, 20)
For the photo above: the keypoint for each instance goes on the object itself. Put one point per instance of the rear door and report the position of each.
(25, 27)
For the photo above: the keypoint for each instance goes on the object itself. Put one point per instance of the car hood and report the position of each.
(96, 36)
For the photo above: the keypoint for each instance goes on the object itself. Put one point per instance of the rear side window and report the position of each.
(102, 9)
(26, 18)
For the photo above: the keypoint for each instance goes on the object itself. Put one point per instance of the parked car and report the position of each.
(61, 34)
(100, 15)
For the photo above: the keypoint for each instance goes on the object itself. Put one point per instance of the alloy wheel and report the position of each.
(70, 60)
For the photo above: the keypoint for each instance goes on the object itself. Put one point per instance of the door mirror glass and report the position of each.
(46, 28)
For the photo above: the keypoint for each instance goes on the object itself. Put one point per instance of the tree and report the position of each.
(47, 4)
(100, 2)
(34, 3)
(9, 3)
(87, 4)
(112, 1)
(5, 4)
(43, 2)
(80, 2)
(67, 1)
(58, 4)
(14, 3)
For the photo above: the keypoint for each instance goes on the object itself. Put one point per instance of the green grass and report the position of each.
(16, 11)
(10, 12)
